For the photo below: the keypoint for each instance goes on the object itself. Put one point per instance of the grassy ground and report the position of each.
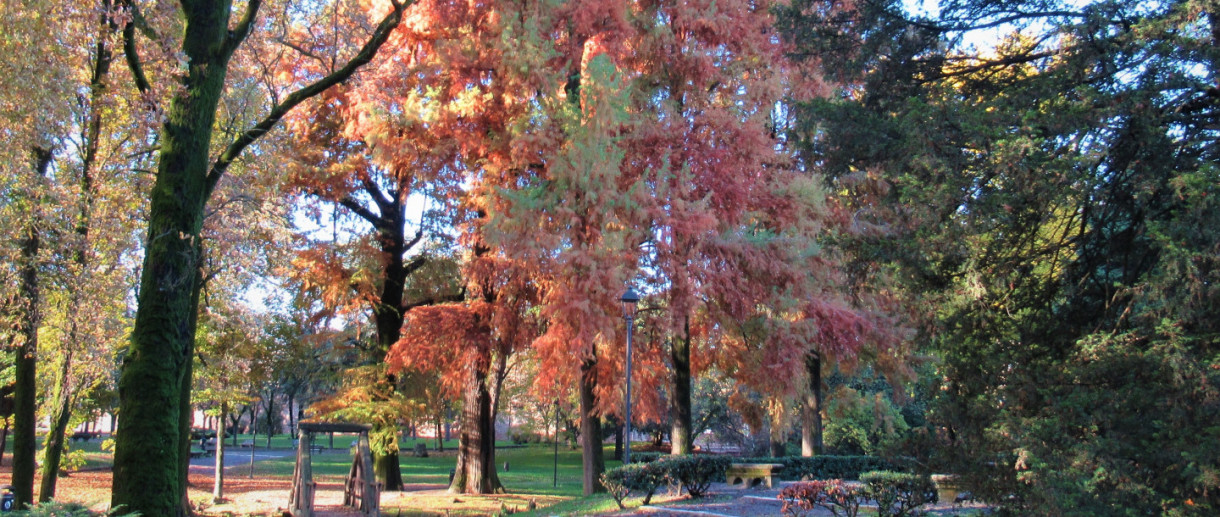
(532, 470)
(533, 476)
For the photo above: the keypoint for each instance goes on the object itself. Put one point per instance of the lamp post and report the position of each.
(629, 301)
(555, 475)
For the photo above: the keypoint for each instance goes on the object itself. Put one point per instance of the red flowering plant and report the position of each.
(832, 494)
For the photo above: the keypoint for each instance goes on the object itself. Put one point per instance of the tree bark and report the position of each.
(590, 431)
(476, 464)
(149, 444)
(618, 441)
(440, 435)
(811, 409)
(186, 413)
(680, 434)
(64, 398)
(53, 452)
(385, 466)
(218, 484)
(292, 426)
(28, 318)
(270, 416)
(4, 439)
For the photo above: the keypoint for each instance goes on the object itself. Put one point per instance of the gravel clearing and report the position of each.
(725, 501)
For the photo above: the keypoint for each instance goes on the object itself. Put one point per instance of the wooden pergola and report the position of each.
(360, 490)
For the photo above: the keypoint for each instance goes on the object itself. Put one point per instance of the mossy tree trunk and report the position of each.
(152, 442)
(149, 444)
(53, 452)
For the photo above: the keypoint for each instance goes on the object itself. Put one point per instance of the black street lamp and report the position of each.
(629, 301)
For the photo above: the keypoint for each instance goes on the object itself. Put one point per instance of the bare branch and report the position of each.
(132, 54)
(370, 48)
(351, 204)
(239, 33)
(449, 298)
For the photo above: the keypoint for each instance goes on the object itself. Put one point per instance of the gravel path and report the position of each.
(725, 501)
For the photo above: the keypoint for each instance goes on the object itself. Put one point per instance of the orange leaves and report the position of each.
(445, 338)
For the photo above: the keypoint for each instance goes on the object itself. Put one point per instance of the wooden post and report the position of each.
(370, 503)
(300, 500)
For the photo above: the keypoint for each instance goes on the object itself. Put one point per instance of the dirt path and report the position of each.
(269, 497)
(725, 501)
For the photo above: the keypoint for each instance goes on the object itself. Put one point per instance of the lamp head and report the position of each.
(629, 301)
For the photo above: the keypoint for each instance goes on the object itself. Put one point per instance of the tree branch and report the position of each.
(302, 50)
(351, 204)
(370, 48)
(1002, 62)
(419, 234)
(375, 192)
(130, 53)
(450, 298)
(239, 33)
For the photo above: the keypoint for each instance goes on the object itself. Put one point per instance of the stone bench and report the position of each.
(751, 474)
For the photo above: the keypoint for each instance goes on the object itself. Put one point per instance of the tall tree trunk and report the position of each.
(186, 418)
(270, 416)
(149, 443)
(91, 134)
(680, 433)
(385, 465)
(619, 429)
(53, 452)
(476, 465)
(4, 439)
(811, 409)
(218, 483)
(779, 423)
(440, 434)
(590, 431)
(292, 426)
(28, 318)
(186, 414)
(234, 423)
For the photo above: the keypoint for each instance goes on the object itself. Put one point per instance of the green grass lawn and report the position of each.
(531, 469)
(532, 475)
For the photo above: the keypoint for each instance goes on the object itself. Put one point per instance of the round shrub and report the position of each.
(898, 494)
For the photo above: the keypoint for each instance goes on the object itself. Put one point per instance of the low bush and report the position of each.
(898, 494)
(642, 478)
(57, 509)
(798, 468)
(647, 457)
(695, 473)
(842, 500)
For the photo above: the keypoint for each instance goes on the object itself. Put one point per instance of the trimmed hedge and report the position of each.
(643, 478)
(797, 468)
(695, 473)
(647, 457)
(899, 494)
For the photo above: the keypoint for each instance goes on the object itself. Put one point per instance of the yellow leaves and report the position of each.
(470, 102)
